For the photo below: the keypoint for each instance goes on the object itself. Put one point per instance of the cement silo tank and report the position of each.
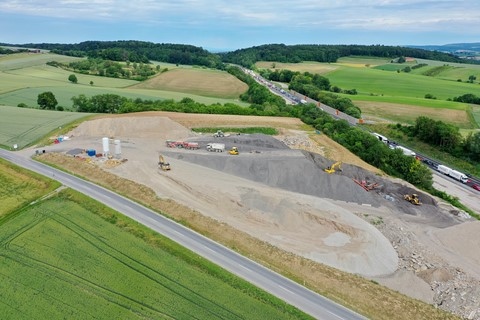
(106, 147)
(118, 149)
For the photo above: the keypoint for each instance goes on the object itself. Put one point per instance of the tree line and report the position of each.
(143, 51)
(445, 137)
(135, 51)
(328, 53)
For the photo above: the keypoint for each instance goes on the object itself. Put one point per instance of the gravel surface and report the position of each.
(283, 196)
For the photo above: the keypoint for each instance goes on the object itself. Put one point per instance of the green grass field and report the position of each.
(388, 93)
(24, 76)
(23, 126)
(68, 257)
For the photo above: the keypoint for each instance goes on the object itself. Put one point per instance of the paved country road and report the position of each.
(285, 289)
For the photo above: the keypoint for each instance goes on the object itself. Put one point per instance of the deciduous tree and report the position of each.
(47, 100)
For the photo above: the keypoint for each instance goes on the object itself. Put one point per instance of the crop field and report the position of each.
(378, 82)
(360, 62)
(20, 187)
(24, 126)
(67, 257)
(210, 83)
(24, 76)
(310, 66)
(24, 60)
(404, 113)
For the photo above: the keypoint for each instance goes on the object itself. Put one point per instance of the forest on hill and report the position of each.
(142, 51)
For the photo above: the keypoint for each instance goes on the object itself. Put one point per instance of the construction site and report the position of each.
(283, 190)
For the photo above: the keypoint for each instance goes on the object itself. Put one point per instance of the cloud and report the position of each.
(462, 16)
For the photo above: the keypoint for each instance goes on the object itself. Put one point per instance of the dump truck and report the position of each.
(216, 147)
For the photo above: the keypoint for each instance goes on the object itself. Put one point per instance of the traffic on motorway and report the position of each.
(296, 98)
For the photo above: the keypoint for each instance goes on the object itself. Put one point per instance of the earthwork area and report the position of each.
(277, 191)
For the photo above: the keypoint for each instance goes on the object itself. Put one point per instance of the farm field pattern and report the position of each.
(61, 260)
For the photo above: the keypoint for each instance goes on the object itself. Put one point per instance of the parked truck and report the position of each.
(216, 147)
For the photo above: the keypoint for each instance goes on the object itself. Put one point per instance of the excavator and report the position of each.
(233, 151)
(331, 169)
(413, 199)
(162, 164)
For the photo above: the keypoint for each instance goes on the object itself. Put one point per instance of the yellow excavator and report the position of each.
(233, 151)
(162, 164)
(336, 166)
(413, 199)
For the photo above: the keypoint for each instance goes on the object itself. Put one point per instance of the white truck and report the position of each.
(457, 175)
(406, 151)
(216, 147)
(444, 169)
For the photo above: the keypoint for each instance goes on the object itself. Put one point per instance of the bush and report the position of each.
(22, 105)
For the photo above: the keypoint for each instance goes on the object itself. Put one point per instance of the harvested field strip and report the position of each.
(65, 260)
(211, 83)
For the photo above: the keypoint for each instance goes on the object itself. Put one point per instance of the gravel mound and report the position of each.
(161, 128)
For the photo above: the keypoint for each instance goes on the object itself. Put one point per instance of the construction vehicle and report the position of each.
(216, 147)
(233, 151)
(413, 199)
(190, 145)
(219, 134)
(336, 166)
(162, 164)
(366, 185)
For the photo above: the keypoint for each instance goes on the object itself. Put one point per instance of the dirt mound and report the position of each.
(132, 127)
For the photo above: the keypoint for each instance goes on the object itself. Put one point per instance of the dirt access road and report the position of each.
(278, 192)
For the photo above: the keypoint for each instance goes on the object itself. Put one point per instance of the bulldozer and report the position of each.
(162, 164)
(334, 167)
(233, 151)
(413, 198)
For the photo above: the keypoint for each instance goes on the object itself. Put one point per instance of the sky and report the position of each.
(225, 25)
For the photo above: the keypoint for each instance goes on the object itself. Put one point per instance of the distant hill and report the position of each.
(463, 50)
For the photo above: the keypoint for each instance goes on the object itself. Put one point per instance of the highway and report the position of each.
(274, 283)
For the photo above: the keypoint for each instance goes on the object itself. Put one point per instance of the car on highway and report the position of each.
(476, 187)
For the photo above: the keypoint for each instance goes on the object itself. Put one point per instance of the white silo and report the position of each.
(118, 149)
(106, 147)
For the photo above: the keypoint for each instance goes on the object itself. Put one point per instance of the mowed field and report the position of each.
(199, 81)
(66, 256)
(24, 126)
(24, 76)
(399, 97)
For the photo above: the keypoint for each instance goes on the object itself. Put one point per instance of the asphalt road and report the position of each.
(285, 289)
